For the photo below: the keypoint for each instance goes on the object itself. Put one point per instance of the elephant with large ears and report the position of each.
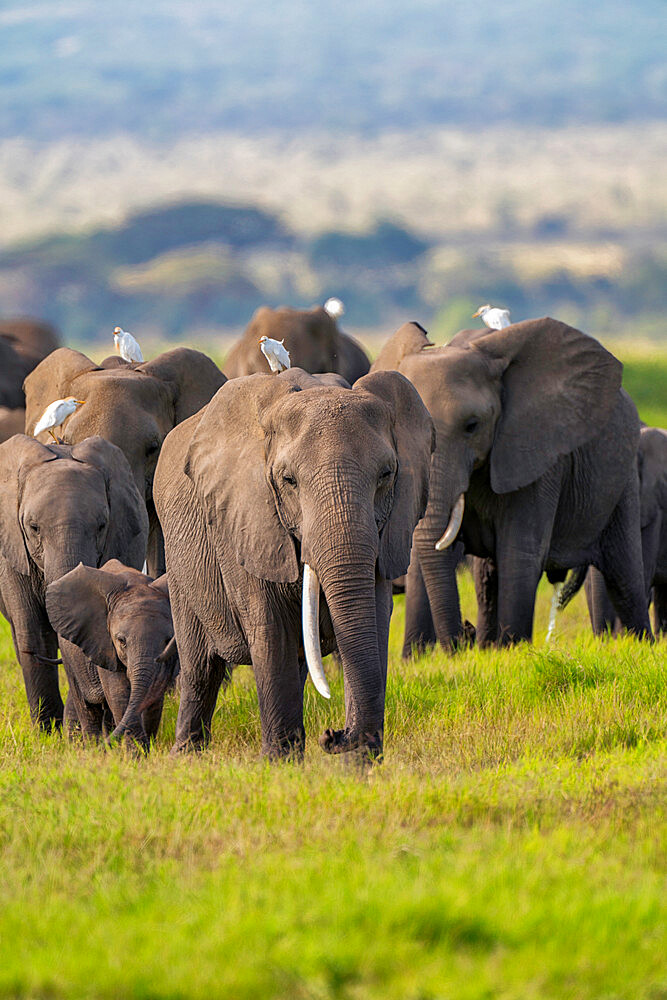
(132, 405)
(535, 466)
(652, 457)
(121, 621)
(311, 337)
(60, 505)
(285, 485)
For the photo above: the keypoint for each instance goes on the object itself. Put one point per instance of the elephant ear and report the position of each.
(409, 339)
(128, 521)
(414, 434)
(77, 605)
(192, 378)
(226, 462)
(17, 456)
(560, 387)
(51, 380)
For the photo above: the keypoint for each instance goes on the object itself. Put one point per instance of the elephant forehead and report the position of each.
(144, 602)
(447, 369)
(329, 409)
(53, 480)
(119, 387)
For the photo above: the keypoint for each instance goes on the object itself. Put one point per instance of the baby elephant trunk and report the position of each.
(148, 682)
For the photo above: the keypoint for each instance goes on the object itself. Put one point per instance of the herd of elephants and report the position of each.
(190, 520)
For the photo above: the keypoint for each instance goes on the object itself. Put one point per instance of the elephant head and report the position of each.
(516, 399)
(294, 469)
(121, 620)
(133, 406)
(61, 505)
(311, 336)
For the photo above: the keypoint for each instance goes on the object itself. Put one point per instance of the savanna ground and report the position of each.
(513, 843)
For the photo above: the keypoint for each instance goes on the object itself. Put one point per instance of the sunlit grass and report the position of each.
(511, 844)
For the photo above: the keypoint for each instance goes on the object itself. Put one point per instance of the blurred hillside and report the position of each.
(202, 268)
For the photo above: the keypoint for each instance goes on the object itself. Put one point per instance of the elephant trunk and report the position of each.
(146, 686)
(345, 566)
(67, 548)
(438, 556)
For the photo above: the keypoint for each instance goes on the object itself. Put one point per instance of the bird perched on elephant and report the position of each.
(534, 466)
(59, 505)
(652, 462)
(282, 478)
(133, 406)
(311, 336)
(120, 619)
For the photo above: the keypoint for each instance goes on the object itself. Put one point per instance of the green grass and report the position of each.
(512, 844)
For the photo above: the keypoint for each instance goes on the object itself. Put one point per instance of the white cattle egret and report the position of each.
(275, 353)
(494, 318)
(126, 345)
(55, 414)
(334, 307)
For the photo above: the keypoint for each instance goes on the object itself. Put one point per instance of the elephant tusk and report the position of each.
(454, 526)
(310, 621)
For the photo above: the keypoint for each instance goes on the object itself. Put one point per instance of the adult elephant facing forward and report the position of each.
(132, 405)
(535, 465)
(283, 478)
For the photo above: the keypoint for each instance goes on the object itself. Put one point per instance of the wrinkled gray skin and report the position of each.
(533, 427)
(132, 405)
(59, 506)
(279, 470)
(23, 344)
(653, 503)
(121, 622)
(312, 338)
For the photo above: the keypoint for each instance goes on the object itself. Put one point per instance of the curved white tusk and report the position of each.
(454, 526)
(310, 622)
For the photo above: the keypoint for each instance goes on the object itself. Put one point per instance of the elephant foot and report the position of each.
(188, 746)
(345, 741)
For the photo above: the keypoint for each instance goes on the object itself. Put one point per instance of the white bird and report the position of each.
(126, 345)
(55, 414)
(494, 318)
(334, 307)
(275, 353)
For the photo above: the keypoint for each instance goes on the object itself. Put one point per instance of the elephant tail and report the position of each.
(572, 586)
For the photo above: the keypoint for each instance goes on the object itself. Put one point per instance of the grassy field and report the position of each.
(512, 845)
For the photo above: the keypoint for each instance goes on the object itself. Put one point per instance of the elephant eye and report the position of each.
(385, 474)
(34, 527)
(152, 447)
(121, 640)
(289, 479)
(471, 425)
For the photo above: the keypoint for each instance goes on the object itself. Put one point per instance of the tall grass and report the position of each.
(512, 844)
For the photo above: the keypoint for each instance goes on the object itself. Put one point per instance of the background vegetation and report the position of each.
(513, 843)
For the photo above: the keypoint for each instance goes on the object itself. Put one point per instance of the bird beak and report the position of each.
(79, 402)
(475, 315)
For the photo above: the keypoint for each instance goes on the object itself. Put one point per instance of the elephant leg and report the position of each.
(116, 687)
(601, 611)
(89, 714)
(622, 566)
(419, 629)
(275, 663)
(485, 575)
(70, 718)
(36, 644)
(202, 673)
(151, 718)
(660, 608)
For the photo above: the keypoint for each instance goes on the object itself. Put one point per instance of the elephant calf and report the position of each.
(121, 620)
(59, 505)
